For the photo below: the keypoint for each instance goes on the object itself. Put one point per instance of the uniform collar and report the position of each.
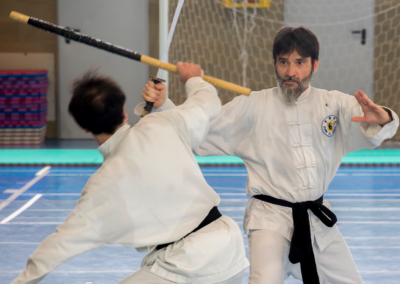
(303, 97)
(107, 147)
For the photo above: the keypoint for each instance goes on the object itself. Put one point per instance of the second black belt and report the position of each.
(301, 245)
(213, 215)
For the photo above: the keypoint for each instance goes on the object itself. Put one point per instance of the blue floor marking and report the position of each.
(366, 201)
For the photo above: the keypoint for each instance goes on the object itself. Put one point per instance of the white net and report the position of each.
(236, 44)
(205, 34)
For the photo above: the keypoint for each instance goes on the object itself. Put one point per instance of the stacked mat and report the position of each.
(23, 106)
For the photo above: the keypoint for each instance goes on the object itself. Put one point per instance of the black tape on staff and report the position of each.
(71, 34)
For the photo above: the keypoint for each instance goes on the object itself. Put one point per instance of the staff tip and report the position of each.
(19, 17)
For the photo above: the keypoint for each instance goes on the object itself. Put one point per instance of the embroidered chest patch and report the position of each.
(329, 125)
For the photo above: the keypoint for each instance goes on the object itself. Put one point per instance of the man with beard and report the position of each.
(292, 139)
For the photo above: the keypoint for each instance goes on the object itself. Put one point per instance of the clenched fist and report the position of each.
(189, 70)
(156, 94)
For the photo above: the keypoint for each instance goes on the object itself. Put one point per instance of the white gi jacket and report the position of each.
(291, 152)
(149, 191)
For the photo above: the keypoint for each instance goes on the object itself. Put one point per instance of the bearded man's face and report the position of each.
(294, 73)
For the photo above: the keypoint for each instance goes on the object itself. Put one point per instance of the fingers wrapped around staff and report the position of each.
(150, 93)
(154, 93)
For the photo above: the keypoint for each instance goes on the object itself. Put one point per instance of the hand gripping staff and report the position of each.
(88, 40)
(149, 105)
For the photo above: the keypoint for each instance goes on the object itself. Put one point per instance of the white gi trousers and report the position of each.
(269, 260)
(145, 276)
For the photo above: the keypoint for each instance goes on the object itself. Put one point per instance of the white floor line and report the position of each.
(71, 271)
(369, 217)
(225, 175)
(368, 222)
(69, 175)
(379, 272)
(43, 171)
(232, 208)
(33, 223)
(22, 209)
(365, 209)
(230, 188)
(44, 210)
(30, 218)
(19, 243)
(365, 247)
(53, 194)
(362, 194)
(363, 200)
(376, 174)
(372, 238)
(36, 243)
(39, 175)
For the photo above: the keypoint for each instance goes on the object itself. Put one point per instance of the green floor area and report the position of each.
(72, 156)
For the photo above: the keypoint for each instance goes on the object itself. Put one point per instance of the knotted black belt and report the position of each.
(213, 215)
(301, 245)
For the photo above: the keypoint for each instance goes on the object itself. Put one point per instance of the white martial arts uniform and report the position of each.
(149, 191)
(291, 152)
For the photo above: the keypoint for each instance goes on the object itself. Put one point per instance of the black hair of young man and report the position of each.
(97, 103)
(301, 39)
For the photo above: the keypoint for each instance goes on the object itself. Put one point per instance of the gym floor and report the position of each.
(366, 201)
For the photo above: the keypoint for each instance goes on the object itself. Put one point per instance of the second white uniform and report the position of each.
(292, 153)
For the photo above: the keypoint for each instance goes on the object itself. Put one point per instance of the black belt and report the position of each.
(213, 215)
(301, 245)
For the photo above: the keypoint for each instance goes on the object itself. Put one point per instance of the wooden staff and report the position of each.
(76, 36)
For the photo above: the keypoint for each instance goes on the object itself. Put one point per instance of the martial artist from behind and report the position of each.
(149, 193)
(292, 139)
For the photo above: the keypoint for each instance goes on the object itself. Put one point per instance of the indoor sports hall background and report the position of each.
(45, 159)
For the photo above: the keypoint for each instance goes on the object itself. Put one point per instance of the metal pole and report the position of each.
(163, 32)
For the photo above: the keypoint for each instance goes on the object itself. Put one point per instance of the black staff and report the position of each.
(76, 36)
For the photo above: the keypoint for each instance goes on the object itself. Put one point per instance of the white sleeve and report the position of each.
(225, 130)
(73, 237)
(229, 129)
(362, 135)
(192, 118)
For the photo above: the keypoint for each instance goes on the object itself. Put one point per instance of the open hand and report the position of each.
(372, 112)
(156, 94)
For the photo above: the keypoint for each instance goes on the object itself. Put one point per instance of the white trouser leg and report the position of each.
(335, 264)
(144, 276)
(269, 262)
(236, 279)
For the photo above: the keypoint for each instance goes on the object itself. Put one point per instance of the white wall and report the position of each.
(121, 22)
(345, 64)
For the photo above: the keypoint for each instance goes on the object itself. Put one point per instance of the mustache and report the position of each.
(290, 78)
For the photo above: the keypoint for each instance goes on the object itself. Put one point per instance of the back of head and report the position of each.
(300, 39)
(97, 103)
